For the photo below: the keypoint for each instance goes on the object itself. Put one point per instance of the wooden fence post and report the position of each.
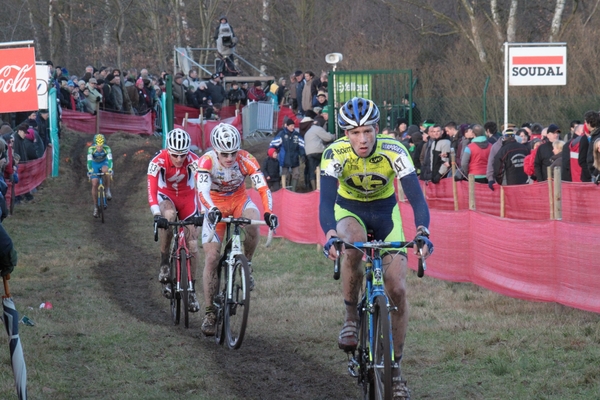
(454, 191)
(557, 193)
(318, 176)
(502, 204)
(550, 192)
(471, 192)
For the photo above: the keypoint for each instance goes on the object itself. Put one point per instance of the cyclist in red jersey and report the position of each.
(171, 195)
(222, 191)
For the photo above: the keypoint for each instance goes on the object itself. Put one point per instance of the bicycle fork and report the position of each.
(236, 250)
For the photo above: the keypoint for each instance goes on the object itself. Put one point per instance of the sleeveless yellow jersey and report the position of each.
(369, 178)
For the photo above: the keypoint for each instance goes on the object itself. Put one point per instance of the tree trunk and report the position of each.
(50, 28)
(264, 43)
(556, 20)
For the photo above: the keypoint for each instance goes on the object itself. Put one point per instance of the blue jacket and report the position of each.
(290, 146)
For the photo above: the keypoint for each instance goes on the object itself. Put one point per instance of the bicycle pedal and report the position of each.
(353, 367)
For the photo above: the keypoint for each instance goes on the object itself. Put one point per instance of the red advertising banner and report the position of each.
(18, 90)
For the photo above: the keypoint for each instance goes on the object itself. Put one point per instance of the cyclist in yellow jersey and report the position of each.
(99, 159)
(357, 195)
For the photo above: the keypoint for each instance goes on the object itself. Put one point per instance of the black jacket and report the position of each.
(542, 161)
(271, 169)
(508, 163)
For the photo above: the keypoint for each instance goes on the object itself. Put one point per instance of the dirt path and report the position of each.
(271, 368)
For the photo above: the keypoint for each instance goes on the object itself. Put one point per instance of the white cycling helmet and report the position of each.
(178, 141)
(225, 138)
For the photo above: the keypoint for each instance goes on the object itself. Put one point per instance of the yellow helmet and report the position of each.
(99, 139)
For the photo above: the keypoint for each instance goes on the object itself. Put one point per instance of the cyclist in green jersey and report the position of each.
(99, 159)
(357, 195)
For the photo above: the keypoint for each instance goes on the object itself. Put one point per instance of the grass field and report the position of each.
(109, 335)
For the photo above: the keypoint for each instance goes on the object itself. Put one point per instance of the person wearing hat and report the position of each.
(216, 90)
(290, 146)
(509, 161)
(270, 169)
(64, 94)
(321, 100)
(235, 94)
(256, 93)
(179, 90)
(545, 152)
(94, 97)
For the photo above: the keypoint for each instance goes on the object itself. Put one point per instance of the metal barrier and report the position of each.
(257, 120)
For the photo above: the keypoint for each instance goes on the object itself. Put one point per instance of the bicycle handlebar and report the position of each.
(241, 221)
(378, 244)
(174, 223)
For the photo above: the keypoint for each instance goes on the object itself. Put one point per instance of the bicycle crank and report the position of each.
(353, 366)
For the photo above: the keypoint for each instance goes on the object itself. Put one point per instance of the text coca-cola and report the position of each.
(13, 79)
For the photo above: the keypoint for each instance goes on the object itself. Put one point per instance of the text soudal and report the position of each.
(537, 71)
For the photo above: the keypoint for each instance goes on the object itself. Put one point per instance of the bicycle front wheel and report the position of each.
(381, 384)
(238, 305)
(101, 203)
(183, 260)
(219, 301)
(175, 296)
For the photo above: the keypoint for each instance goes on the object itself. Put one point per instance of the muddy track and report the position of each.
(263, 369)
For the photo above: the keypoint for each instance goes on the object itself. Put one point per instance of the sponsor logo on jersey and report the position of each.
(376, 159)
(366, 183)
(393, 147)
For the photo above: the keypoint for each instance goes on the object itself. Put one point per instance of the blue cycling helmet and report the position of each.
(357, 112)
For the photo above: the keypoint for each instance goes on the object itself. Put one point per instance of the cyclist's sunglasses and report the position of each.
(175, 155)
(229, 155)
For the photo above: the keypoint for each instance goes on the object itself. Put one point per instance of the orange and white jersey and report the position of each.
(215, 180)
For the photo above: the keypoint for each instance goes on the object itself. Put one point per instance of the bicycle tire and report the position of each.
(380, 386)
(183, 260)
(362, 351)
(219, 302)
(175, 297)
(236, 311)
(101, 203)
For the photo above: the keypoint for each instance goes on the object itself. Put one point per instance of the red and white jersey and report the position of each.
(173, 182)
(214, 179)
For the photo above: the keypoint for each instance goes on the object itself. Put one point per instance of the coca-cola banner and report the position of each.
(18, 90)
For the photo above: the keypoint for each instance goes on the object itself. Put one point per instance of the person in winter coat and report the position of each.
(315, 141)
(439, 156)
(508, 162)
(542, 161)
(474, 159)
(290, 146)
(270, 170)
(235, 95)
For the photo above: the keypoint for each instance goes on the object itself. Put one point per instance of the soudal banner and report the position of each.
(18, 90)
(537, 66)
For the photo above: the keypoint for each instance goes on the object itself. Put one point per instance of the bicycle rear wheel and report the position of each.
(183, 260)
(101, 203)
(175, 296)
(219, 302)
(380, 386)
(236, 312)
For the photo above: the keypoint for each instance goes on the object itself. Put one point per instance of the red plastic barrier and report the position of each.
(31, 175)
(539, 260)
(200, 133)
(109, 122)
(284, 114)
(180, 111)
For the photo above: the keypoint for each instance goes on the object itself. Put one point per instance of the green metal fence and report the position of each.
(387, 88)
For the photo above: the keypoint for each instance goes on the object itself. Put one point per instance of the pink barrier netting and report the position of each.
(531, 259)
(524, 202)
(31, 175)
(109, 122)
